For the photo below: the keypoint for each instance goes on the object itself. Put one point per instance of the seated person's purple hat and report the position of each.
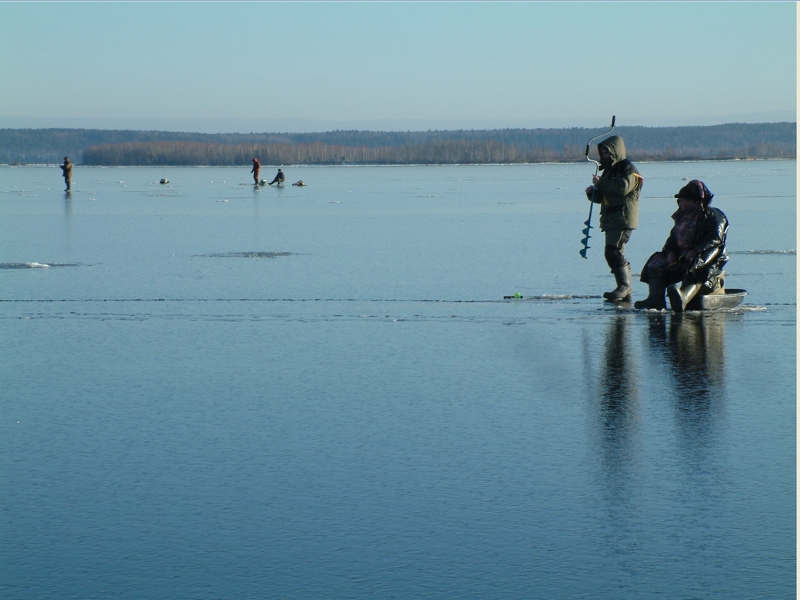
(695, 190)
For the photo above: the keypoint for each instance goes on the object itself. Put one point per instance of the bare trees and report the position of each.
(440, 152)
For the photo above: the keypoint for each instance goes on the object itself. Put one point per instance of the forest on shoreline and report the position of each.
(504, 146)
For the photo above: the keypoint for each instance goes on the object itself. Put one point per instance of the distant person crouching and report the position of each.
(66, 168)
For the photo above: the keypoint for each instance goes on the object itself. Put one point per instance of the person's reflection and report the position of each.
(68, 221)
(618, 384)
(693, 347)
(257, 233)
(616, 421)
(618, 406)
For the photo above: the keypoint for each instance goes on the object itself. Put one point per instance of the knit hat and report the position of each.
(695, 190)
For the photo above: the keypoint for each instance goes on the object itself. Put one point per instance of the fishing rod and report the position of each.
(588, 222)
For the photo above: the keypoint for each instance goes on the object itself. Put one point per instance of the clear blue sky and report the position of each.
(305, 66)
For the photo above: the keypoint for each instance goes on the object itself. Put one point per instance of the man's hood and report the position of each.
(615, 147)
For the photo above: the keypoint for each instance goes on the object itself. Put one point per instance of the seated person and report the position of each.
(279, 178)
(693, 255)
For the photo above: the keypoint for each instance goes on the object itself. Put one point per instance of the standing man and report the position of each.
(256, 169)
(617, 193)
(67, 170)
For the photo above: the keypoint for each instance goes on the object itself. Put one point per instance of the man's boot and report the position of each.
(655, 298)
(624, 290)
(679, 297)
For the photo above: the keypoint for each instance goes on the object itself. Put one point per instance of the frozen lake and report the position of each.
(211, 390)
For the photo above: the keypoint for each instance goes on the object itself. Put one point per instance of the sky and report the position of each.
(395, 66)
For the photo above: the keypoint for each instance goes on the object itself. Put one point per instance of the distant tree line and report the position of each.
(121, 147)
(198, 153)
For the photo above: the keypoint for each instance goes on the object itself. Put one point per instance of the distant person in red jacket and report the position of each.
(256, 169)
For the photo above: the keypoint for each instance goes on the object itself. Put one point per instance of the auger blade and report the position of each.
(583, 252)
(586, 232)
(588, 223)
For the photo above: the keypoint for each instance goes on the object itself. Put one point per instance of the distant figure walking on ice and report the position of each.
(256, 169)
(67, 170)
(279, 178)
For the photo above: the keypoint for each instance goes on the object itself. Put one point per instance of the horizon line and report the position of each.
(286, 132)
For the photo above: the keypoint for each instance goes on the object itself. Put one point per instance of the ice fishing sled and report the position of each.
(719, 299)
(722, 298)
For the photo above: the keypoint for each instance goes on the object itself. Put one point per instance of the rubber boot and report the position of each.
(624, 289)
(679, 297)
(655, 298)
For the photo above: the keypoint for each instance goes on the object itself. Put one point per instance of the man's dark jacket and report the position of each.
(709, 243)
(67, 169)
(617, 192)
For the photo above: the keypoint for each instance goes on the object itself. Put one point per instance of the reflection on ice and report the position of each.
(693, 346)
(30, 265)
(36, 265)
(244, 255)
(618, 397)
(764, 252)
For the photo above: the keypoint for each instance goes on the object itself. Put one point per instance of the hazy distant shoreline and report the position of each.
(398, 165)
(501, 146)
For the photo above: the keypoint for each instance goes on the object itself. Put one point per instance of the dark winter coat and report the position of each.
(709, 243)
(67, 170)
(617, 192)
